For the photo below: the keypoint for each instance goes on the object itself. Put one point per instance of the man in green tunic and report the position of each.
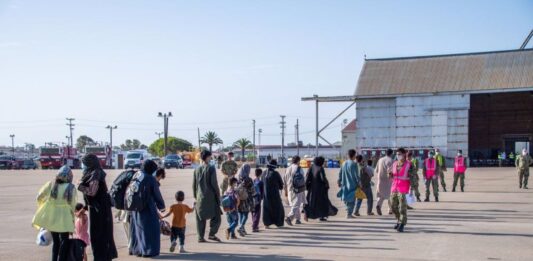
(229, 169)
(207, 195)
(522, 166)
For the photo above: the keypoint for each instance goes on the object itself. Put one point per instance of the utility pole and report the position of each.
(165, 117)
(111, 128)
(259, 138)
(159, 134)
(317, 131)
(297, 133)
(71, 128)
(12, 136)
(199, 144)
(282, 135)
(253, 140)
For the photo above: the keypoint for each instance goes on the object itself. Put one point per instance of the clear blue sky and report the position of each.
(216, 64)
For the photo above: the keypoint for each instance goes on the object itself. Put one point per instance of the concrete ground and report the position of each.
(492, 220)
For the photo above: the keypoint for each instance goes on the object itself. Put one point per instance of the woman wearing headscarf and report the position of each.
(317, 186)
(247, 205)
(57, 200)
(94, 189)
(145, 230)
(273, 211)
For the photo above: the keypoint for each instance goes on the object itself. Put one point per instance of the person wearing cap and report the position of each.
(522, 163)
(207, 196)
(57, 201)
(459, 169)
(229, 168)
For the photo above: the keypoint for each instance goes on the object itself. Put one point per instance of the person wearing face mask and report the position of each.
(522, 166)
(430, 172)
(459, 169)
(402, 175)
(441, 161)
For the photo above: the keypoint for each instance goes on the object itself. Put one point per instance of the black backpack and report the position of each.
(298, 181)
(118, 188)
(135, 199)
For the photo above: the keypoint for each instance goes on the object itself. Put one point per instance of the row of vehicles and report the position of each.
(10, 162)
(135, 158)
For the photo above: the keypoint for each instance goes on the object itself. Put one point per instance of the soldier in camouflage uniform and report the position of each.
(522, 166)
(416, 178)
(400, 188)
(229, 169)
(441, 161)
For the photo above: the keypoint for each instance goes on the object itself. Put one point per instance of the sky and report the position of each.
(216, 65)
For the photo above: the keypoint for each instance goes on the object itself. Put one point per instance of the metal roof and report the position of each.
(462, 73)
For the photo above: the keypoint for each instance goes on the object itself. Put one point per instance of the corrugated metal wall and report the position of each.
(422, 121)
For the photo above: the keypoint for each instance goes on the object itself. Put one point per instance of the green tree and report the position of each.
(174, 144)
(84, 141)
(243, 144)
(132, 145)
(210, 138)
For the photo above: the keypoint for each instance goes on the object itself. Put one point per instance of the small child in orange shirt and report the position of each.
(178, 211)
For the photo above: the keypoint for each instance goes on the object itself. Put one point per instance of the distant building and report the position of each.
(480, 103)
(290, 150)
(348, 137)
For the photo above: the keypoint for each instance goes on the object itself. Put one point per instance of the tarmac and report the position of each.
(491, 220)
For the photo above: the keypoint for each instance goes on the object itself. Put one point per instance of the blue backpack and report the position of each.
(228, 202)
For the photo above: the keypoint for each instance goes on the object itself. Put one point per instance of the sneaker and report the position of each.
(182, 250)
(202, 240)
(349, 216)
(418, 199)
(396, 226)
(173, 246)
(426, 200)
(214, 238)
(436, 199)
(323, 219)
(288, 221)
(409, 207)
(378, 209)
(400, 228)
(241, 233)
(233, 236)
(370, 214)
(227, 234)
(357, 214)
(255, 230)
(390, 212)
(298, 222)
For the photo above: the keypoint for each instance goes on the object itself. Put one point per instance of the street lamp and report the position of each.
(12, 136)
(165, 117)
(111, 128)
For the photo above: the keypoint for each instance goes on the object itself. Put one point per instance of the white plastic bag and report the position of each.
(44, 237)
(410, 198)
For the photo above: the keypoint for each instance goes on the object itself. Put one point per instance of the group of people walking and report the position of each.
(238, 196)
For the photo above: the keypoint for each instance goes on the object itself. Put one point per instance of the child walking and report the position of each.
(178, 211)
(81, 227)
(231, 202)
(258, 197)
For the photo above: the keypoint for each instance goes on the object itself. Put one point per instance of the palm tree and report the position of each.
(243, 144)
(211, 138)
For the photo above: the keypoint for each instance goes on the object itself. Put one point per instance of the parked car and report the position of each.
(29, 164)
(158, 161)
(135, 158)
(8, 162)
(173, 161)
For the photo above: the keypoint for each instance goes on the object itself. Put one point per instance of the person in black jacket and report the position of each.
(317, 185)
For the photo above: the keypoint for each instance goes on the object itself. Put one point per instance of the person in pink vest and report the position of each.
(430, 171)
(402, 175)
(459, 170)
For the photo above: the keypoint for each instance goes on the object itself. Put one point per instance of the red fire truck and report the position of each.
(55, 157)
(51, 157)
(103, 153)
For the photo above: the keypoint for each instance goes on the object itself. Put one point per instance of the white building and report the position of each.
(348, 137)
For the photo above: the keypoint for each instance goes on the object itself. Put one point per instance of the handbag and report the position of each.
(44, 237)
(76, 249)
(359, 194)
(165, 228)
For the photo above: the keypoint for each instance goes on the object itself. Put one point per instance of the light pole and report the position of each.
(12, 136)
(111, 128)
(158, 134)
(165, 117)
(253, 142)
